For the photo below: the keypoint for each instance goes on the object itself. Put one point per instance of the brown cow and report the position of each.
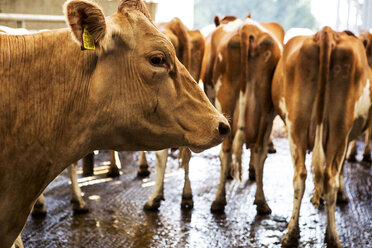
(67, 92)
(224, 20)
(238, 67)
(189, 46)
(321, 90)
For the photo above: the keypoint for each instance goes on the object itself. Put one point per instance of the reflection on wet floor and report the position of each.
(117, 218)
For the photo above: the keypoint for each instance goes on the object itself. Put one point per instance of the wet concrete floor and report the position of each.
(117, 218)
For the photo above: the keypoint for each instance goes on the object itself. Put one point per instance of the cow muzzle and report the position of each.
(219, 133)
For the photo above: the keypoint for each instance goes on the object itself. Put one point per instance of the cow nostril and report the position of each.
(223, 129)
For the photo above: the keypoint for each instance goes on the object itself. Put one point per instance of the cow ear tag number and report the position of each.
(88, 41)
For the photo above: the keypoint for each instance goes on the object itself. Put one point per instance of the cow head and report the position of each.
(151, 99)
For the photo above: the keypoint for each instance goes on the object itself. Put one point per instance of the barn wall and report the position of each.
(45, 7)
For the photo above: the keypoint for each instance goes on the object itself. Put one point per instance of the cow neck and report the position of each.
(45, 83)
(44, 91)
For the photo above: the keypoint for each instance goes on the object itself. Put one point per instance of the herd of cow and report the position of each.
(124, 83)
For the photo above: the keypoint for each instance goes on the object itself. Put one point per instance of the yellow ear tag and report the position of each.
(88, 41)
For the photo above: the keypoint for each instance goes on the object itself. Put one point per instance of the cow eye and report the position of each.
(158, 60)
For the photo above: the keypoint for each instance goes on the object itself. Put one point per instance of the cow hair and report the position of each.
(135, 4)
(83, 13)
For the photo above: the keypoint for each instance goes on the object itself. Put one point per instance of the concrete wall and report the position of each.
(45, 7)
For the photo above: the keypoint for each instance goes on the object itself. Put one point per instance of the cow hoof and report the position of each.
(252, 174)
(342, 198)
(143, 170)
(187, 203)
(154, 204)
(79, 207)
(39, 210)
(262, 208)
(80, 210)
(218, 207)
(113, 171)
(291, 239)
(351, 158)
(332, 242)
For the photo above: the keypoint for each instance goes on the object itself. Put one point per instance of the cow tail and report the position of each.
(319, 109)
(244, 52)
(323, 75)
(245, 45)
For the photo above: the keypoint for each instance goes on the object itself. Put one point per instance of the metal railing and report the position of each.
(21, 19)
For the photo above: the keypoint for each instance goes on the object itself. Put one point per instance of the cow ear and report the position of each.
(87, 23)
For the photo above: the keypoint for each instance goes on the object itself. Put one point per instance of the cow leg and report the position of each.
(218, 205)
(298, 154)
(260, 154)
(39, 207)
(351, 157)
(158, 192)
(187, 202)
(260, 201)
(143, 168)
(331, 236)
(367, 147)
(336, 150)
(331, 186)
(341, 195)
(78, 204)
(226, 99)
(115, 165)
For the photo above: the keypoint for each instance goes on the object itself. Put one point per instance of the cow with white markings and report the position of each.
(237, 71)
(322, 91)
